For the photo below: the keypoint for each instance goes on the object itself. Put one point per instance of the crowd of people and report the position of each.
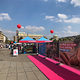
(22, 48)
(15, 46)
(3, 45)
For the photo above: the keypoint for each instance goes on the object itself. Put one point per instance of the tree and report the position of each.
(34, 38)
(20, 38)
(45, 37)
(7, 41)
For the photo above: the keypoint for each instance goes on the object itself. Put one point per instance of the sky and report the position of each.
(40, 16)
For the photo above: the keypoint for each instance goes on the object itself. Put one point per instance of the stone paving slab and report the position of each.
(22, 76)
(12, 78)
(3, 76)
(18, 68)
(39, 75)
(31, 76)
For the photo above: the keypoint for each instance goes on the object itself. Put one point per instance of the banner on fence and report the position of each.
(70, 53)
(52, 50)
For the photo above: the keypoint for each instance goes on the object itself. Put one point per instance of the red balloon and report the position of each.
(19, 26)
(11, 41)
(51, 31)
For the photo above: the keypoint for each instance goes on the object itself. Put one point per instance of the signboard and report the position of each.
(15, 52)
(67, 53)
(66, 47)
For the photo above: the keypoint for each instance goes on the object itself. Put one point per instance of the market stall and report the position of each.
(28, 44)
(41, 42)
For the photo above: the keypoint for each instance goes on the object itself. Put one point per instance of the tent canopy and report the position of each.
(30, 40)
(27, 40)
(43, 40)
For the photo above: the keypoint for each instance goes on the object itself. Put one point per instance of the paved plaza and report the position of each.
(18, 68)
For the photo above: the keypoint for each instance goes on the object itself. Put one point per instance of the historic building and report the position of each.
(2, 37)
(21, 35)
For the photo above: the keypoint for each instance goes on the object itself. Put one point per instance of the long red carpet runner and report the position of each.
(53, 71)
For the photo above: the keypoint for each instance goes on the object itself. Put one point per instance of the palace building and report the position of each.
(21, 35)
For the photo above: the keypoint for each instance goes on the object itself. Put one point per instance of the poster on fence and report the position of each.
(52, 51)
(70, 53)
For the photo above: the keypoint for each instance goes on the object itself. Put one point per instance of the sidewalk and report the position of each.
(18, 68)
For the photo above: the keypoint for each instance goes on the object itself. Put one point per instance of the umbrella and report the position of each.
(27, 40)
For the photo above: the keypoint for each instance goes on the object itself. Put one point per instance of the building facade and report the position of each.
(21, 35)
(2, 37)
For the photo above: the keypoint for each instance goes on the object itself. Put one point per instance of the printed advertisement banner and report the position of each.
(70, 54)
(52, 50)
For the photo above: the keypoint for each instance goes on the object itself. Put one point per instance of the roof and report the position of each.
(27, 39)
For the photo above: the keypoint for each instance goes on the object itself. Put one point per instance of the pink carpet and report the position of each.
(52, 71)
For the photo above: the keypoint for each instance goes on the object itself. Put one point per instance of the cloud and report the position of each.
(62, 16)
(61, 0)
(66, 19)
(51, 18)
(72, 20)
(4, 16)
(34, 28)
(45, 0)
(67, 32)
(70, 33)
(75, 2)
(10, 34)
(22, 27)
(31, 29)
(69, 27)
